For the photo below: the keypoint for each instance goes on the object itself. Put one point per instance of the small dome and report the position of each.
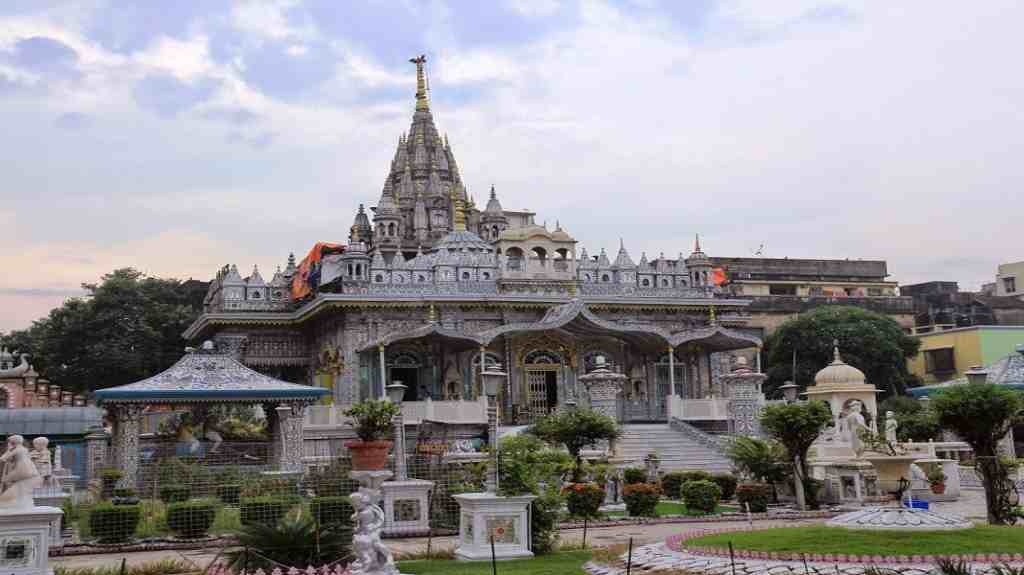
(839, 373)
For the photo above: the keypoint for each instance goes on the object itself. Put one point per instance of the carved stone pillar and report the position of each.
(126, 443)
(288, 436)
(604, 387)
(95, 453)
(745, 405)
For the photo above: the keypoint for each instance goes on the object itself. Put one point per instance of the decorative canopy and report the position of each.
(206, 376)
(1007, 371)
(576, 319)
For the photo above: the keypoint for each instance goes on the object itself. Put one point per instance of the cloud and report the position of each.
(819, 128)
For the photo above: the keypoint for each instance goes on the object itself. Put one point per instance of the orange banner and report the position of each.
(307, 275)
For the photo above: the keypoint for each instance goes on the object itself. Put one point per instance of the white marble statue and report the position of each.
(372, 557)
(855, 426)
(890, 427)
(20, 476)
(40, 456)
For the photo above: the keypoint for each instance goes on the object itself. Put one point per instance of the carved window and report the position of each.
(542, 357)
(378, 278)
(4, 398)
(646, 282)
(606, 278)
(465, 275)
(254, 295)
(486, 275)
(420, 278)
(664, 282)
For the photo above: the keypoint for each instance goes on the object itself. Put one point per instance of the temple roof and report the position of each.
(716, 338)
(206, 375)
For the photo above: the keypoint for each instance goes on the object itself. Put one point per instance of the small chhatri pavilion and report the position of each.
(199, 380)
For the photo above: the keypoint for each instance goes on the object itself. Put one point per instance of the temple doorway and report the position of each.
(543, 390)
(409, 377)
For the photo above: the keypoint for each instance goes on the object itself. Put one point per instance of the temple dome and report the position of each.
(839, 372)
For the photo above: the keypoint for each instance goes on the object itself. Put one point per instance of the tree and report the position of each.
(869, 341)
(759, 459)
(796, 426)
(127, 328)
(575, 429)
(982, 415)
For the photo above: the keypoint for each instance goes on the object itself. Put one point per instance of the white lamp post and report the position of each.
(396, 393)
(976, 375)
(493, 376)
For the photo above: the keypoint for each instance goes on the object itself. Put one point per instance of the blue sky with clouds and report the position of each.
(179, 136)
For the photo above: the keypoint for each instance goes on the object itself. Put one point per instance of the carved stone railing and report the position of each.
(698, 409)
(705, 439)
(413, 412)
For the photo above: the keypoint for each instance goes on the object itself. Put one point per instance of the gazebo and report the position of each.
(200, 379)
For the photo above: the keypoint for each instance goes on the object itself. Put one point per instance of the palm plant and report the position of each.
(294, 541)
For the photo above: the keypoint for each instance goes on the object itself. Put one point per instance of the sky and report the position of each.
(176, 137)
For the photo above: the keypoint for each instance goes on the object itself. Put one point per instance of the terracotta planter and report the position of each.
(368, 455)
(938, 488)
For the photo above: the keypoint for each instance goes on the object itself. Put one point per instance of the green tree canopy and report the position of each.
(128, 327)
(796, 426)
(575, 429)
(763, 460)
(982, 415)
(869, 341)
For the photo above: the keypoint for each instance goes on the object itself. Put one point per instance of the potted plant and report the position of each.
(372, 419)
(937, 480)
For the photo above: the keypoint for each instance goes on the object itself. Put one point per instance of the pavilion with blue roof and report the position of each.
(200, 379)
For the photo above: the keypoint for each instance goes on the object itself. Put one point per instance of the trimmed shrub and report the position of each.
(109, 478)
(672, 482)
(191, 519)
(266, 509)
(583, 499)
(727, 481)
(111, 523)
(175, 493)
(547, 510)
(641, 499)
(332, 510)
(631, 475)
(229, 493)
(701, 495)
(754, 495)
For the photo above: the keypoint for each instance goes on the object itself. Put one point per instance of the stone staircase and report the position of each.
(678, 449)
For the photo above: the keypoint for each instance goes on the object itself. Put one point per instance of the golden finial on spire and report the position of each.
(458, 214)
(421, 82)
(711, 315)
(432, 313)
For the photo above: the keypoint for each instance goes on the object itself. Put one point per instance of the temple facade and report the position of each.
(430, 287)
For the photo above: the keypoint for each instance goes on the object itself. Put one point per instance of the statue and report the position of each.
(40, 456)
(372, 557)
(855, 426)
(890, 427)
(20, 476)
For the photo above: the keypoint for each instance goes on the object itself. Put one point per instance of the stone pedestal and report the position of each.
(25, 537)
(485, 515)
(53, 498)
(744, 386)
(604, 387)
(406, 507)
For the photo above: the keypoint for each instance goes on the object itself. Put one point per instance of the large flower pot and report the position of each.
(938, 488)
(368, 455)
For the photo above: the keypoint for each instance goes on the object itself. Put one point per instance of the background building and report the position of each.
(1010, 279)
(940, 305)
(946, 355)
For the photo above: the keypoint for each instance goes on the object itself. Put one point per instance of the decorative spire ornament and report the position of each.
(422, 103)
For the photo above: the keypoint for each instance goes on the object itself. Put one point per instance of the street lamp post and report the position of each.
(396, 393)
(977, 375)
(492, 376)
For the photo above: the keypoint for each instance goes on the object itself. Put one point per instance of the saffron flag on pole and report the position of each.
(719, 277)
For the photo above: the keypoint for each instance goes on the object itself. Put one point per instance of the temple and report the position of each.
(430, 286)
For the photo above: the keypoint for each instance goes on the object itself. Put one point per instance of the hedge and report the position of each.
(701, 495)
(754, 495)
(266, 509)
(331, 510)
(727, 482)
(672, 482)
(229, 493)
(631, 475)
(641, 499)
(111, 523)
(191, 519)
(174, 493)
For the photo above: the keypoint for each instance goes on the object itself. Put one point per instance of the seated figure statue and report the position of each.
(372, 557)
(20, 476)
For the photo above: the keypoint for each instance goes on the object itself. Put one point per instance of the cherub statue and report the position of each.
(856, 425)
(40, 456)
(20, 476)
(372, 557)
(890, 427)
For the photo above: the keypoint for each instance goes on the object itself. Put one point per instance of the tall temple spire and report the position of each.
(458, 215)
(422, 103)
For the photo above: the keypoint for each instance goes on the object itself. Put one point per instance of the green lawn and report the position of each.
(568, 563)
(669, 508)
(820, 539)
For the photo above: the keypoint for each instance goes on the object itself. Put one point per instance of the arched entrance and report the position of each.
(404, 366)
(543, 372)
(663, 380)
